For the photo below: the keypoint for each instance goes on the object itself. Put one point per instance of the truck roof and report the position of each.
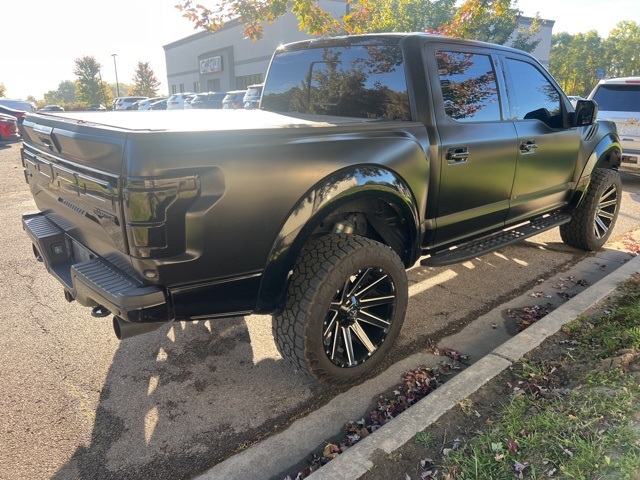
(389, 39)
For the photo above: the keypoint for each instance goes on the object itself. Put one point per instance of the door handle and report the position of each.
(528, 147)
(457, 156)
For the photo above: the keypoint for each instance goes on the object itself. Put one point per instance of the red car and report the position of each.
(8, 128)
(17, 114)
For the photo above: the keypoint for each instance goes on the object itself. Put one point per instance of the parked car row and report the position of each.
(235, 99)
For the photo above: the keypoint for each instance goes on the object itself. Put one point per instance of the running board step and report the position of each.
(471, 250)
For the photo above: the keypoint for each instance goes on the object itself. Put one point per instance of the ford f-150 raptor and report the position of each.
(367, 153)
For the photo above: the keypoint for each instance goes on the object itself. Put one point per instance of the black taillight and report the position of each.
(152, 204)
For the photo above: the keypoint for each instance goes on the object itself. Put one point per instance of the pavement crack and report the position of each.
(504, 357)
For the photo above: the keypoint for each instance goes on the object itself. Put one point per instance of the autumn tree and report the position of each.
(409, 15)
(90, 88)
(145, 83)
(490, 20)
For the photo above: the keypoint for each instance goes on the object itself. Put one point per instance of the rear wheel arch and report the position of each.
(384, 209)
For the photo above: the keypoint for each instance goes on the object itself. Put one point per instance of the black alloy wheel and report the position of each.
(346, 303)
(593, 221)
(359, 317)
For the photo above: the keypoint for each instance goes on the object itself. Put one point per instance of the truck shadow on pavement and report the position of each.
(184, 397)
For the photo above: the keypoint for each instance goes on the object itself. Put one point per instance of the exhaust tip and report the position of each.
(124, 329)
(100, 312)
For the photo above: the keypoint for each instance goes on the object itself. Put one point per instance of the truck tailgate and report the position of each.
(74, 175)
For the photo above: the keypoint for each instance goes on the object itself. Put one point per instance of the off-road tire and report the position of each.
(326, 268)
(593, 221)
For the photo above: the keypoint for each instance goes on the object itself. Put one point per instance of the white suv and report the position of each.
(176, 101)
(123, 103)
(618, 100)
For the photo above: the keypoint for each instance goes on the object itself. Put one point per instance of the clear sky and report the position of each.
(41, 38)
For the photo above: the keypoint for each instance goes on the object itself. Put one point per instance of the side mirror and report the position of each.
(585, 114)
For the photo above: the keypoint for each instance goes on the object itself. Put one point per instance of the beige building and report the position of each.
(223, 61)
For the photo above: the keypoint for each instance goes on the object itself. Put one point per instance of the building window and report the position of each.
(196, 87)
(246, 80)
(213, 85)
(174, 90)
(181, 87)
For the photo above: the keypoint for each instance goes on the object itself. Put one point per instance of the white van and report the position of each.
(18, 104)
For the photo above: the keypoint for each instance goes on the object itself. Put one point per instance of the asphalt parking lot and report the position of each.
(77, 403)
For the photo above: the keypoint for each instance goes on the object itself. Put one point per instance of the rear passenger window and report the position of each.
(469, 88)
(531, 95)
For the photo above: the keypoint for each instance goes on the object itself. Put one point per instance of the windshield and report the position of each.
(618, 98)
(350, 81)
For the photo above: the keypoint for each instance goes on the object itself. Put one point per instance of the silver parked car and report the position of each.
(124, 103)
(146, 104)
(176, 101)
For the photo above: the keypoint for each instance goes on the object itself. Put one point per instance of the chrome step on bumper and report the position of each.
(90, 279)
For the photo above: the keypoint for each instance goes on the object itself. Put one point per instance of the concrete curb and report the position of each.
(272, 456)
(357, 460)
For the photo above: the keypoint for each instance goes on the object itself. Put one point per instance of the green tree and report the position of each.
(145, 82)
(622, 49)
(491, 20)
(574, 60)
(65, 93)
(90, 88)
(3, 90)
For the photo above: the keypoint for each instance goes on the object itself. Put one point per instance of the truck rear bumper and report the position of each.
(92, 280)
(630, 160)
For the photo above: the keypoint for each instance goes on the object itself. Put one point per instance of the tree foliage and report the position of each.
(145, 82)
(622, 49)
(576, 59)
(3, 90)
(90, 88)
(490, 20)
(409, 15)
(64, 94)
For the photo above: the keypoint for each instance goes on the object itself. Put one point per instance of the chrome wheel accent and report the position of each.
(605, 211)
(359, 317)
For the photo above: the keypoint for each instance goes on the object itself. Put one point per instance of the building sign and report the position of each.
(211, 65)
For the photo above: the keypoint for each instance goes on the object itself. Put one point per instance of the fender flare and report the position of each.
(340, 188)
(606, 154)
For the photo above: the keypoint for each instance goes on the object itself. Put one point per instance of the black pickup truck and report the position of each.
(367, 153)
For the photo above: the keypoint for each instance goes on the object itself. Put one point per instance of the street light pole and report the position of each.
(114, 55)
